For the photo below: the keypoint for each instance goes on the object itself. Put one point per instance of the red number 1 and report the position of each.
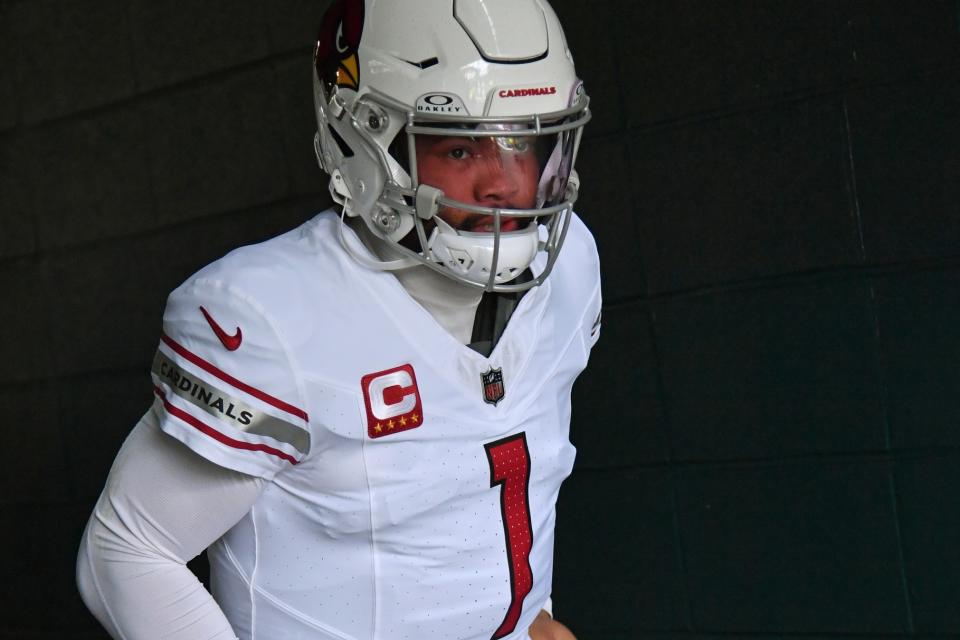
(510, 469)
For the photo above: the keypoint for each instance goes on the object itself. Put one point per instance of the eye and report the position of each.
(458, 153)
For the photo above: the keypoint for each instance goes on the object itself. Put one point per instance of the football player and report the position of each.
(366, 419)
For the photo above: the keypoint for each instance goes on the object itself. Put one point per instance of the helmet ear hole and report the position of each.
(344, 147)
(399, 150)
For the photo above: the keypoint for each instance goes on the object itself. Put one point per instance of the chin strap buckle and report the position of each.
(427, 200)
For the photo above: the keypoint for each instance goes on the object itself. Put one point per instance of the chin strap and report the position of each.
(370, 263)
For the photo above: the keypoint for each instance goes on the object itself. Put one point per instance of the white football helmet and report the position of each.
(450, 127)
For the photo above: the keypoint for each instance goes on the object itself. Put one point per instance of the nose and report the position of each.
(496, 185)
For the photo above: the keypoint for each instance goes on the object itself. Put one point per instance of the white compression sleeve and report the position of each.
(162, 505)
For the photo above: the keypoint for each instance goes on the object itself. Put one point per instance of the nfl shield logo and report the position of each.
(492, 386)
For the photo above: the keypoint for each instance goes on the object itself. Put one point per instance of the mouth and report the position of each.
(484, 224)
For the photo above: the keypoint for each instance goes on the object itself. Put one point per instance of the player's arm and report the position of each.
(226, 418)
(162, 505)
(226, 383)
(545, 627)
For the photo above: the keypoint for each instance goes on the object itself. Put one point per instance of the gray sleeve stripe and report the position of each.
(227, 408)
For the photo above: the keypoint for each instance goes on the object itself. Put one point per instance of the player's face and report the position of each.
(492, 172)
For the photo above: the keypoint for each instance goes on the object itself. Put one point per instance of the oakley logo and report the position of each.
(437, 100)
(440, 103)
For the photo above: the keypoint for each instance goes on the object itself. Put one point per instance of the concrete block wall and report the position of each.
(138, 142)
(767, 434)
(768, 428)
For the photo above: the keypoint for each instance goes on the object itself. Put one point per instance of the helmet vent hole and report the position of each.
(424, 64)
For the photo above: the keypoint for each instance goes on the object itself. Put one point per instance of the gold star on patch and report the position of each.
(415, 418)
(378, 428)
(390, 425)
(403, 421)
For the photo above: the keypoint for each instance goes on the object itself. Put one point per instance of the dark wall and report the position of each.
(139, 140)
(769, 432)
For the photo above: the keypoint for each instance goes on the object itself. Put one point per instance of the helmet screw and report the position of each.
(373, 122)
(388, 221)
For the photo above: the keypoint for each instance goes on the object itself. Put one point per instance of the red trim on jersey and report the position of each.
(216, 435)
(226, 377)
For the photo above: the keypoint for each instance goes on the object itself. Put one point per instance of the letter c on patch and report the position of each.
(392, 401)
(392, 395)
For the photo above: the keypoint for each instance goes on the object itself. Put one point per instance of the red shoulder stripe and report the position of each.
(216, 435)
(226, 377)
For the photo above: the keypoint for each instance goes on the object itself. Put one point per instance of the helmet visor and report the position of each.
(493, 166)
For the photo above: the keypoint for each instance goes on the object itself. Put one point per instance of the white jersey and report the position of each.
(412, 482)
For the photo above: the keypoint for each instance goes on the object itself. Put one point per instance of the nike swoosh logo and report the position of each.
(232, 343)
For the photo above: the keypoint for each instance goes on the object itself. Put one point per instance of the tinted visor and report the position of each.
(495, 165)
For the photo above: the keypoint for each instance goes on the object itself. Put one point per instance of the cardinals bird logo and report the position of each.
(336, 54)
